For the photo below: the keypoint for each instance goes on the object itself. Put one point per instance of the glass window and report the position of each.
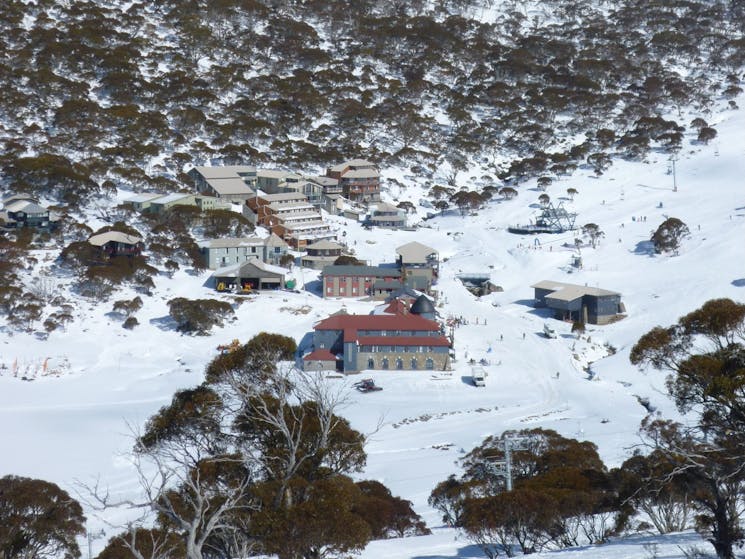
(430, 364)
(371, 363)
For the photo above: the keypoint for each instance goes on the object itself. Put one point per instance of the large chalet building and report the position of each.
(400, 338)
(359, 180)
(360, 281)
(291, 217)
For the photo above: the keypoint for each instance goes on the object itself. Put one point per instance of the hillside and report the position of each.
(475, 96)
(116, 377)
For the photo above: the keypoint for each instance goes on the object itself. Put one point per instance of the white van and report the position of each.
(478, 376)
(548, 331)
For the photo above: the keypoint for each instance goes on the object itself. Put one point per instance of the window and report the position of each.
(371, 363)
(399, 364)
(414, 364)
(384, 363)
(277, 250)
(430, 364)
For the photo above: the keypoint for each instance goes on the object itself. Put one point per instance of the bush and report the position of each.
(130, 323)
(669, 234)
(198, 316)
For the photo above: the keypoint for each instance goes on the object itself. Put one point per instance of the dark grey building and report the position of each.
(581, 303)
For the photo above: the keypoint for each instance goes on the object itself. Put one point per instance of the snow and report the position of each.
(74, 422)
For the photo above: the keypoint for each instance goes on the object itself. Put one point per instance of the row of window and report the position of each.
(385, 364)
(396, 349)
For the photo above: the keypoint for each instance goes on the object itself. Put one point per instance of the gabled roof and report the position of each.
(283, 197)
(227, 186)
(245, 269)
(351, 163)
(324, 245)
(415, 252)
(143, 197)
(383, 322)
(116, 236)
(350, 270)
(225, 171)
(360, 174)
(385, 207)
(277, 174)
(569, 291)
(275, 241)
(168, 198)
(320, 355)
(232, 242)
(26, 206)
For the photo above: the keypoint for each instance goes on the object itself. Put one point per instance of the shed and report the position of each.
(580, 303)
(319, 360)
(249, 276)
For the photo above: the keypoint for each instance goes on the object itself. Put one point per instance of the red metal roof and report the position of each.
(320, 355)
(377, 322)
(438, 341)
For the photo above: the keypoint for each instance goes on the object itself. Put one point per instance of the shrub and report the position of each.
(669, 234)
(130, 323)
(198, 316)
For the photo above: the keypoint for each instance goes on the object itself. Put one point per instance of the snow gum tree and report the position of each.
(38, 520)
(669, 234)
(256, 460)
(704, 354)
(562, 495)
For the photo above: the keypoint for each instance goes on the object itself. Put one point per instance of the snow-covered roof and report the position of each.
(569, 291)
(225, 171)
(227, 186)
(143, 197)
(415, 252)
(168, 198)
(116, 236)
(351, 163)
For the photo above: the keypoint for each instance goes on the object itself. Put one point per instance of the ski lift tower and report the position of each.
(558, 218)
(503, 468)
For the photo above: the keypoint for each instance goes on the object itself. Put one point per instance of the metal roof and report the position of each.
(415, 252)
(232, 185)
(144, 197)
(324, 245)
(351, 163)
(350, 270)
(116, 236)
(225, 171)
(569, 291)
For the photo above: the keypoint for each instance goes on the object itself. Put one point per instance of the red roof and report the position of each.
(377, 322)
(320, 355)
(397, 306)
(438, 341)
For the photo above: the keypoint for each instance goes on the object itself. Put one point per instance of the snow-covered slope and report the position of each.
(75, 424)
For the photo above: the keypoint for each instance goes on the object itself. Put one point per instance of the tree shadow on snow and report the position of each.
(739, 282)
(165, 323)
(644, 248)
(463, 552)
